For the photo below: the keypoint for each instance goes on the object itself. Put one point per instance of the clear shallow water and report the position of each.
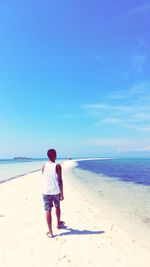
(119, 189)
(128, 170)
(10, 169)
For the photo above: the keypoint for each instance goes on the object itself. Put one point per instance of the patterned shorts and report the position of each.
(49, 200)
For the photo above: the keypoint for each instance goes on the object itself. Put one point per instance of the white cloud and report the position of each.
(120, 144)
(141, 89)
(140, 9)
(133, 114)
(104, 142)
(139, 128)
(99, 58)
(100, 106)
(110, 120)
(137, 149)
(139, 62)
(142, 116)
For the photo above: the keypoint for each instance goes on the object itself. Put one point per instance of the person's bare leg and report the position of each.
(58, 214)
(49, 223)
(60, 224)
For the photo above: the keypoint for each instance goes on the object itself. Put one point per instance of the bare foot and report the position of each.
(50, 234)
(61, 225)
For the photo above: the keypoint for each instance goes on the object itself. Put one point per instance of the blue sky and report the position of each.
(74, 75)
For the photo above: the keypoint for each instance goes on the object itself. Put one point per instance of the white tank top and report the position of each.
(50, 179)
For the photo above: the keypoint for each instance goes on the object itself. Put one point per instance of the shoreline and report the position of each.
(17, 176)
(28, 172)
(125, 203)
(91, 239)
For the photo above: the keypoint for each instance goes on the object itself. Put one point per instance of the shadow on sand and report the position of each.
(71, 231)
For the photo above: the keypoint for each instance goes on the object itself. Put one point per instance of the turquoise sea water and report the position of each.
(14, 168)
(10, 169)
(136, 170)
(121, 187)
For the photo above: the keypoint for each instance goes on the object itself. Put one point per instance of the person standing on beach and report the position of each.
(52, 189)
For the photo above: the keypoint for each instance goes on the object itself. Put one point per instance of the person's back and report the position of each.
(50, 179)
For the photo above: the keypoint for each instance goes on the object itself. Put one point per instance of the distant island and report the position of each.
(21, 158)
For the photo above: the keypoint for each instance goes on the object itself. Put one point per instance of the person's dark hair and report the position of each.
(51, 153)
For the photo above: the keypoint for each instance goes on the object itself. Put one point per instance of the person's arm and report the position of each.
(60, 181)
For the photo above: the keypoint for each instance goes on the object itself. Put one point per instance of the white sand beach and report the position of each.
(91, 239)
